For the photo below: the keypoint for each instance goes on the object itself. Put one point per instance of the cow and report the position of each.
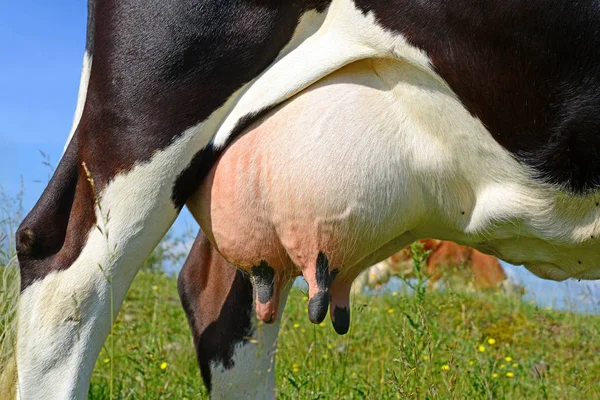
(456, 265)
(487, 111)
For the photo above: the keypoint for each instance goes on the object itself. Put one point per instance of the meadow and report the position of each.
(449, 344)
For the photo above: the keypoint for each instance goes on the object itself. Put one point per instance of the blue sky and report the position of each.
(41, 48)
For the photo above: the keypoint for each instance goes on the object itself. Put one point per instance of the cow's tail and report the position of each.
(9, 298)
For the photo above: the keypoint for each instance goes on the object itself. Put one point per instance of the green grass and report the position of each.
(398, 347)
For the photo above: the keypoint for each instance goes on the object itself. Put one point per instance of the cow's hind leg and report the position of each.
(235, 352)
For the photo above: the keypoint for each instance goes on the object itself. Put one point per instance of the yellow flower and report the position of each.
(305, 298)
(296, 325)
(303, 330)
(354, 375)
(330, 346)
(510, 374)
(155, 288)
(391, 311)
(508, 359)
(515, 365)
(425, 358)
(502, 366)
(471, 362)
(296, 367)
(481, 348)
(163, 366)
(325, 356)
(306, 310)
(445, 367)
(492, 341)
(494, 375)
(322, 323)
(394, 294)
(106, 360)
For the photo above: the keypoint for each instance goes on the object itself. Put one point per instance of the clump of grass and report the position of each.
(11, 211)
(464, 345)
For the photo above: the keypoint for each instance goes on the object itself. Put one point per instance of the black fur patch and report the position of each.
(264, 281)
(341, 320)
(322, 272)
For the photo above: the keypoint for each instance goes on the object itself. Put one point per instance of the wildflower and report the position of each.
(163, 366)
(471, 362)
(502, 366)
(305, 298)
(325, 356)
(494, 375)
(322, 323)
(391, 311)
(515, 365)
(106, 360)
(330, 346)
(425, 358)
(306, 310)
(394, 294)
(508, 359)
(492, 341)
(510, 374)
(445, 367)
(296, 325)
(481, 348)
(155, 288)
(296, 368)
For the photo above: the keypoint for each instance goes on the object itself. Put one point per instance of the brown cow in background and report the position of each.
(448, 262)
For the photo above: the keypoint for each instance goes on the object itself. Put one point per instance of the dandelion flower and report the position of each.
(510, 374)
(296, 368)
(494, 375)
(305, 298)
(303, 330)
(502, 366)
(508, 359)
(325, 356)
(481, 348)
(515, 365)
(106, 360)
(155, 288)
(445, 367)
(492, 341)
(391, 311)
(322, 323)
(425, 358)
(395, 294)
(296, 325)
(163, 366)
(471, 362)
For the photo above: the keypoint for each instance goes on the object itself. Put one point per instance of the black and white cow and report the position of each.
(473, 121)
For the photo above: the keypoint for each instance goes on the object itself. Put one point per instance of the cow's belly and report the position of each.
(319, 175)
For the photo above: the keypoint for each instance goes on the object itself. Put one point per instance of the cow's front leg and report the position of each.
(79, 250)
(235, 352)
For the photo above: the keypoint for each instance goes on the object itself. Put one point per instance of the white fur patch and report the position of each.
(253, 373)
(81, 95)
